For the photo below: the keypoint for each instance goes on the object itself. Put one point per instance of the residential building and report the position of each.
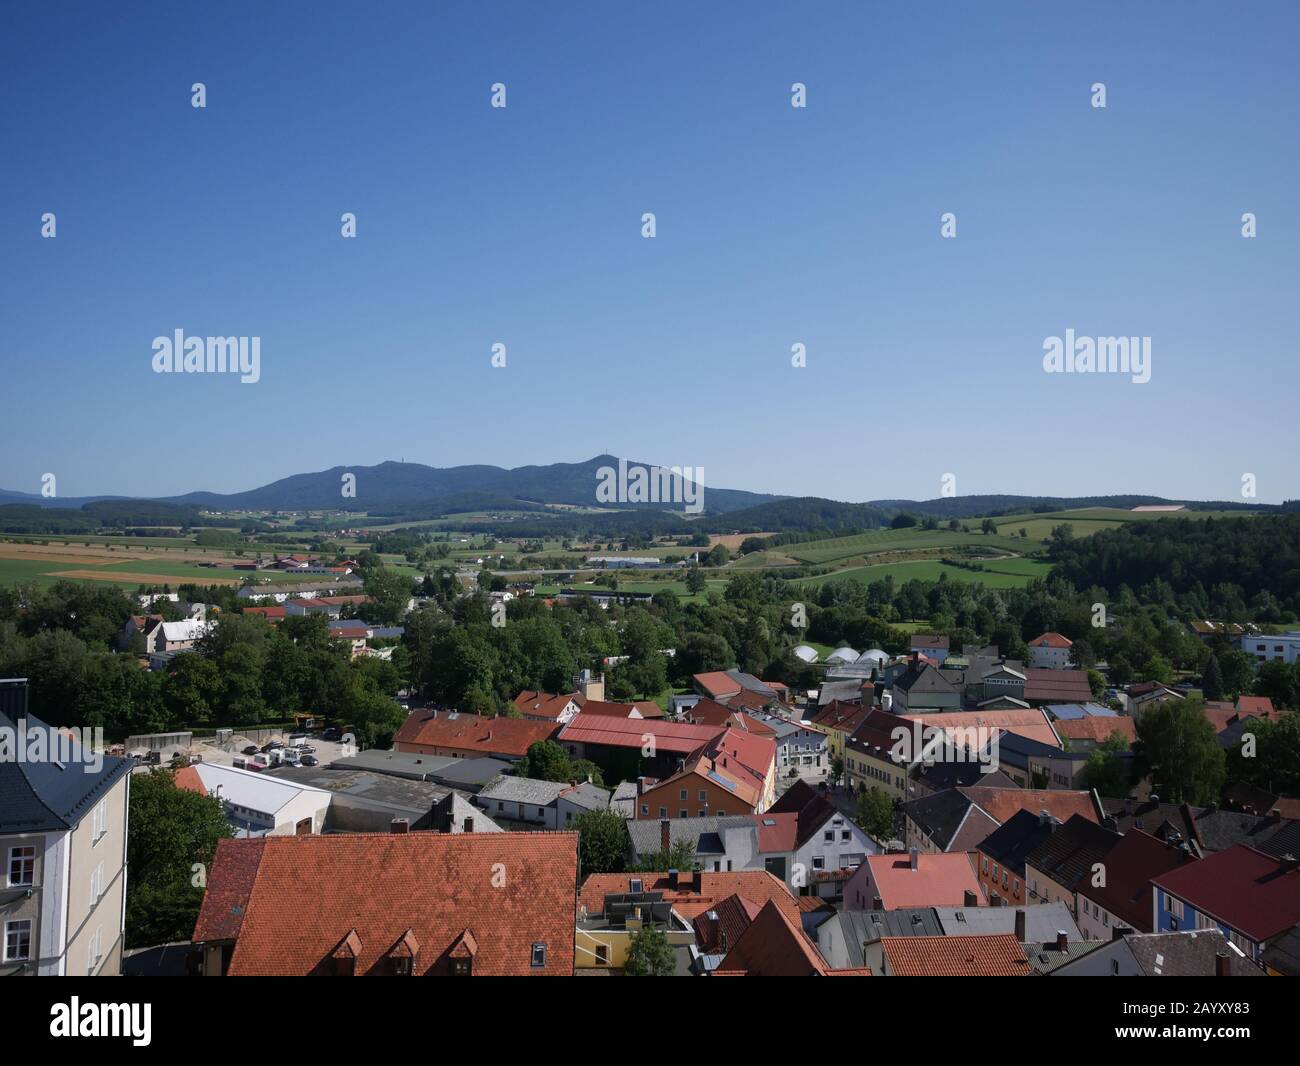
(1252, 897)
(258, 804)
(63, 829)
(1050, 651)
(404, 904)
(1072, 856)
(467, 736)
(1123, 899)
(998, 955)
(1283, 648)
(888, 882)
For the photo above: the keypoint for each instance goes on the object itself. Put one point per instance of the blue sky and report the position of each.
(775, 226)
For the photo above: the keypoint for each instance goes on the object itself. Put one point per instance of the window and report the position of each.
(986, 866)
(96, 883)
(99, 822)
(645, 809)
(402, 965)
(634, 884)
(683, 813)
(704, 796)
(18, 940)
(95, 953)
(828, 837)
(22, 865)
(462, 967)
(602, 955)
(703, 813)
(1174, 906)
(1016, 886)
(683, 795)
(663, 812)
(1114, 967)
(539, 956)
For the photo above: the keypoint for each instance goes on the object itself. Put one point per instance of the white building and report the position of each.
(1283, 648)
(257, 804)
(1050, 651)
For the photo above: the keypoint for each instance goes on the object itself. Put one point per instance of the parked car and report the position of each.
(310, 760)
(330, 734)
(257, 767)
(271, 745)
(252, 749)
(305, 749)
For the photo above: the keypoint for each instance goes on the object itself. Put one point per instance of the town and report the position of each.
(573, 778)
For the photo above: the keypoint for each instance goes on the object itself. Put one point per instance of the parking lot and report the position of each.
(326, 751)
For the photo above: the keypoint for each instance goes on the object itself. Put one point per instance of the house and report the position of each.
(1123, 899)
(1138, 697)
(929, 645)
(721, 844)
(604, 933)
(1192, 953)
(852, 938)
(1001, 855)
(1050, 651)
(1252, 897)
(801, 750)
(1057, 685)
(145, 625)
(1211, 632)
(974, 730)
(626, 748)
(1071, 857)
(888, 882)
(405, 904)
(547, 706)
(1085, 734)
(63, 829)
(639, 709)
(467, 736)
(875, 755)
(258, 804)
(178, 636)
(839, 719)
(721, 685)
(706, 784)
(822, 845)
(998, 955)
(924, 688)
(1284, 648)
(552, 804)
(774, 945)
(946, 821)
(1032, 764)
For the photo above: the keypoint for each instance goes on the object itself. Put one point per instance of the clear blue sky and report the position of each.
(775, 226)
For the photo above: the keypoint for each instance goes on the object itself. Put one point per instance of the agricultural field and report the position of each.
(835, 549)
(1019, 575)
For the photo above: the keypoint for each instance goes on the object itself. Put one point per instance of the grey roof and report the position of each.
(402, 796)
(1046, 956)
(1283, 954)
(866, 927)
(845, 691)
(703, 832)
(938, 816)
(398, 763)
(1219, 830)
(523, 790)
(470, 774)
(1187, 954)
(1042, 921)
(45, 796)
(624, 799)
(588, 796)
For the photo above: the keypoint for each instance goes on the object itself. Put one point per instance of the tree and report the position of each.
(1177, 745)
(649, 954)
(603, 842)
(174, 833)
(1212, 680)
(695, 580)
(988, 526)
(545, 760)
(876, 813)
(1106, 770)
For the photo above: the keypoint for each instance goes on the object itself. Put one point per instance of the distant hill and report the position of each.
(413, 491)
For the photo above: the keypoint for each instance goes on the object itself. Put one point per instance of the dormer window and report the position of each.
(462, 967)
(344, 959)
(539, 956)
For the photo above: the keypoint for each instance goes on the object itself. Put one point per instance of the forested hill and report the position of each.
(1259, 555)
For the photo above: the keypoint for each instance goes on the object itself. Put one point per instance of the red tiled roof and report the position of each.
(1031, 723)
(718, 929)
(938, 881)
(188, 778)
(1057, 686)
(673, 738)
(645, 708)
(717, 683)
(1097, 728)
(758, 886)
(756, 754)
(774, 945)
(1259, 706)
(543, 704)
(1004, 803)
(1051, 640)
(303, 897)
(470, 732)
(1241, 888)
(734, 779)
(994, 955)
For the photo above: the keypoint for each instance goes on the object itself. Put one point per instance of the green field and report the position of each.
(821, 552)
(1023, 572)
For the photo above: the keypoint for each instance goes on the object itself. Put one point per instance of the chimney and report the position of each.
(1275, 814)
(1020, 925)
(697, 880)
(1062, 940)
(399, 825)
(969, 899)
(913, 858)
(469, 825)
(1222, 964)
(665, 837)
(674, 878)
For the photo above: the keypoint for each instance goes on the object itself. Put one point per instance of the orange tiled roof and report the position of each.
(758, 886)
(291, 902)
(996, 955)
(1004, 803)
(1097, 728)
(470, 732)
(774, 945)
